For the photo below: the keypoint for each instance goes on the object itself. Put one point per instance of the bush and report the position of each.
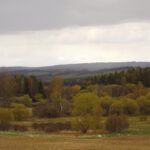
(116, 123)
(46, 110)
(25, 99)
(85, 123)
(6, 117)
(51, 127)
(144, 105)
(21, 112)
(41, 110)
(39, 98)
(143, 118)
(130, 107)
(116, 108)
(21, 128)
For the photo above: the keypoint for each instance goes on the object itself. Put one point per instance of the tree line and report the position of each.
(133, 75)
(126, 93)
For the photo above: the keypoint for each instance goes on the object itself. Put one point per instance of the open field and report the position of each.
(137, 137)
(68, 142)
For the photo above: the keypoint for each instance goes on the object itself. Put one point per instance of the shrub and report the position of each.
(38, 97)
(117, 123)
(130, 107)
(143, 118)
(85, 123)
(21, 128)
(21, 112)
(41, 110)
(25, 99)
(116, 108)
(46, 110)
(51, 127)
(144, 105)
(6, 117)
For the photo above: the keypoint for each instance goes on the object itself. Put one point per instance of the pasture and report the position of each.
(70, 142)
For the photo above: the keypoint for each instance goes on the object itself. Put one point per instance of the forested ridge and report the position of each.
(70, 71)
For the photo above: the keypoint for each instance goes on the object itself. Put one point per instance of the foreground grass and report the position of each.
(137, 137)
(70, 142)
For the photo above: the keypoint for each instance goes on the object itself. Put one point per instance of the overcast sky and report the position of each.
(50, 32)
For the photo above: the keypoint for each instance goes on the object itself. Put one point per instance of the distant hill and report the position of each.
(73, 70)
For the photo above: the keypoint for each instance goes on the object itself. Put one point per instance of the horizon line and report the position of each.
(53, 65)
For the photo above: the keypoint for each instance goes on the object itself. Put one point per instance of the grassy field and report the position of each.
(68, 142)
(137, 137)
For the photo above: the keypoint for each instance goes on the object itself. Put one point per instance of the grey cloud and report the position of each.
(20, 15)
(123, 42)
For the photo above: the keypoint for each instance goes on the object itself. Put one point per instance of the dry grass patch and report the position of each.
(63, 142)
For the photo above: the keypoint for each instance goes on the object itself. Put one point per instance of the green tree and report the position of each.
(56, 92)
(87, 109)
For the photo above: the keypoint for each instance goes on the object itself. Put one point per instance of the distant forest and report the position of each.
(131, 75)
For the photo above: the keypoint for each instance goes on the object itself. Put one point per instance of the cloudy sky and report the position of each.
(50, 32)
